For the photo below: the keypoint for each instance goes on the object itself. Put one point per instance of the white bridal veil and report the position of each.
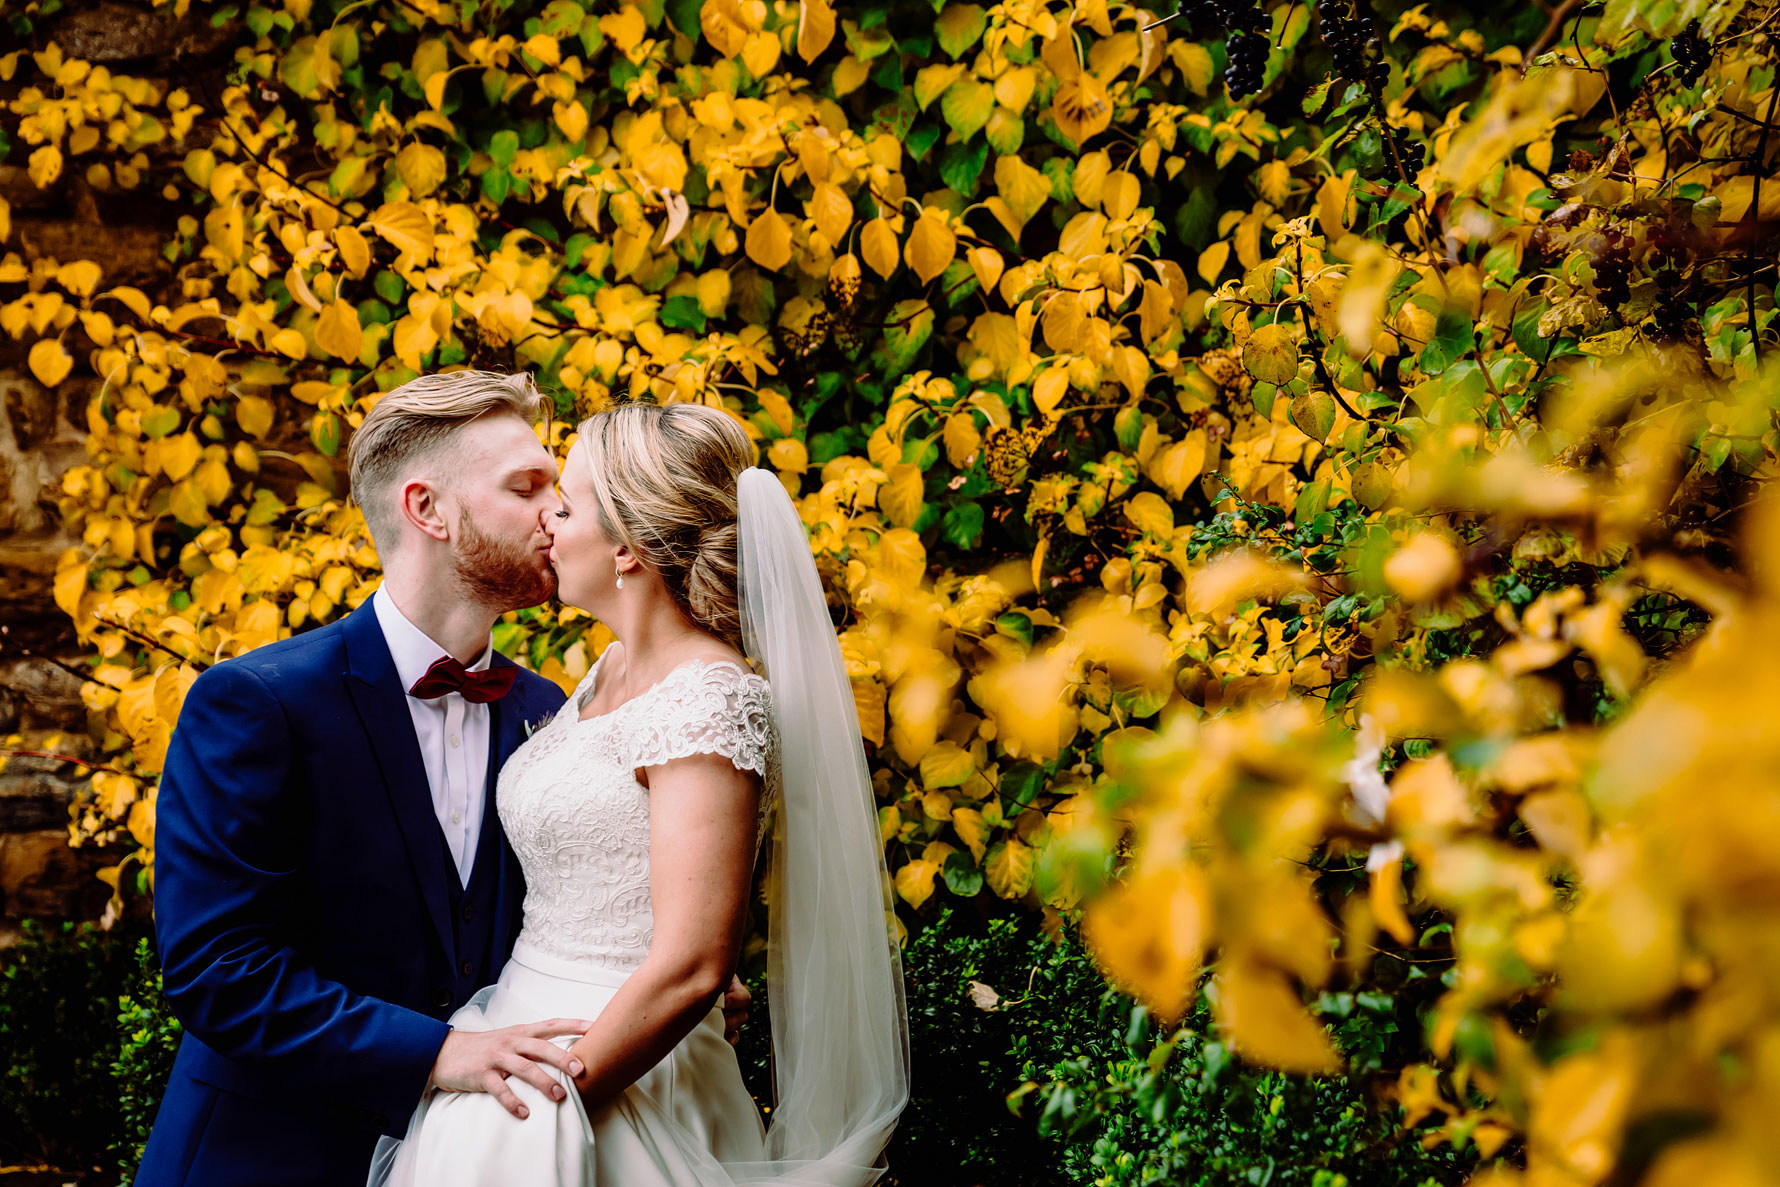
(834, 974)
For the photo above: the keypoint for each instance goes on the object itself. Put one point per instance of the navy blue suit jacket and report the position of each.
(302, 910)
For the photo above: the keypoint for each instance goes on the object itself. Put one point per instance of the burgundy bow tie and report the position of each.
(478, 688)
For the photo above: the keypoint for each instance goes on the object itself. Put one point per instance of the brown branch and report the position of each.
(8, 752)
(1549, 34)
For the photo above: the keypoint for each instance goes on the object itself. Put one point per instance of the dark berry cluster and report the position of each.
(1413, 155)
(1693, 54)
(1246, 42)
(1612, 261)
(1355, 45)
(1669, 314)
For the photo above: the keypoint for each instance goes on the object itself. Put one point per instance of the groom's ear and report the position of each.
(421, 509)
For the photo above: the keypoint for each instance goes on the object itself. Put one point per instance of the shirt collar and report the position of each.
(412, 649)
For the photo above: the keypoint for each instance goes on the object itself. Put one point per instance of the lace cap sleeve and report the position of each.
(713, 709)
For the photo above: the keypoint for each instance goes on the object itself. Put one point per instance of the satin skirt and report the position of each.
(675, 1127)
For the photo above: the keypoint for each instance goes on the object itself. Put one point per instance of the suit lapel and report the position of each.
(382, 706)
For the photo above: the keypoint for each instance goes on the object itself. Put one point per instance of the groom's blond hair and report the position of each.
(418, 420)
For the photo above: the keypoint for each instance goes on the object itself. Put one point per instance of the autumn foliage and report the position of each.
(1314, 537)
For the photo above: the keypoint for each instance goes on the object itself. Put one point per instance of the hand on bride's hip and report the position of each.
(481, 1061)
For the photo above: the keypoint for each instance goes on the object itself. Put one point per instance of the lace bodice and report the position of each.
(578, 820)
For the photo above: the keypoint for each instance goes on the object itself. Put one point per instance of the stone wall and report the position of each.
(42, 434)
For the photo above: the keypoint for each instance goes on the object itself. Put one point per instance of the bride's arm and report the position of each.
(702, 820)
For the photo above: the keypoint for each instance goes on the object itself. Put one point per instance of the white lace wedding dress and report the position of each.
(579, 822)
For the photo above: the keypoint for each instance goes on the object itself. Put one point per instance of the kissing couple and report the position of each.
(429, 924)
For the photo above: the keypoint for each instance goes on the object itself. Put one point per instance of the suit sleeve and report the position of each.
(225, 871)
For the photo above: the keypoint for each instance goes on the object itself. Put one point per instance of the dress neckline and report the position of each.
(583, 696)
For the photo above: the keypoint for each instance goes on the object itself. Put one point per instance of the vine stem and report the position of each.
(1753, 215)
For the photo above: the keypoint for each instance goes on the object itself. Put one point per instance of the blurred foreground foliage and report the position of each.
(1318, 533)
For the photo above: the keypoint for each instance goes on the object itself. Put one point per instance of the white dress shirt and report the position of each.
(453, 734)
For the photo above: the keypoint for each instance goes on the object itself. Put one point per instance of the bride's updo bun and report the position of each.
(664, 478)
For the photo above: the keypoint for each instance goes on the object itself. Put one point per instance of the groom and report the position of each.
(331, 881)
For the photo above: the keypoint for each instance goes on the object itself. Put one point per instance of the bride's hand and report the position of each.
(736, 1000)
(481, 1061)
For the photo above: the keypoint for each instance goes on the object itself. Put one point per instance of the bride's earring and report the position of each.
(620, 578)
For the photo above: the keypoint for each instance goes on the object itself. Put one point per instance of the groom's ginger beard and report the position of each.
(501, 574)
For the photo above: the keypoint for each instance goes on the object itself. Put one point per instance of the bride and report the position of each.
(637, 812)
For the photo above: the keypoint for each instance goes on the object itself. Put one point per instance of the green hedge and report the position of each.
(87, 1043)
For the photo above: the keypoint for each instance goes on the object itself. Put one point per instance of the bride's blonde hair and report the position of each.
(664, 483)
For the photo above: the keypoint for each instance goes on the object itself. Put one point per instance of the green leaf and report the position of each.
(962, 164)
(959, 27)
(683, 313)
(963, 878)
(495, 184)
(1196, 219)
(1007, 134)
(503, 146)
(390, 287)
(967, 105)
(910, 325)
(963, 525)
(1317, 96)
(1015, 625)
(921, 139)
(1451, 341)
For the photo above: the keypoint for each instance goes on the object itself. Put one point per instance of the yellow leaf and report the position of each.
(789, 455)
(421, 168)
(962, 439)
(1148, 933)
(724, 26)
(972, 829)
(1423, 569)
(254, 415)
(761, 53)
(1009, 866)
(406, 227)
(49, 361)
(1120, 193)
(815, 28)
(779, 408)
(849, 76)
(544, 48)
(338, 332)
(902, 497)
(914, 881)
(626, 28)
(80, 277)
(1082, 108)
(832, 210)
(289, 343)
(1195, 64)
(1150, 514)
(1387, 901)
(1022, 187)
(1013, 89)
(1212, 261)
(1051, 387)
(769, 240)
(1271, 354)
(45, 166)
(931, 246)
(1273, 181)
(70, 585)
(946, 765)
(355, 253)
(877, 244)
(1265, 1019)
(987, 264)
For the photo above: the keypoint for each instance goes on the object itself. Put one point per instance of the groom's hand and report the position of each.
(481, 1061)
(736, 1000)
